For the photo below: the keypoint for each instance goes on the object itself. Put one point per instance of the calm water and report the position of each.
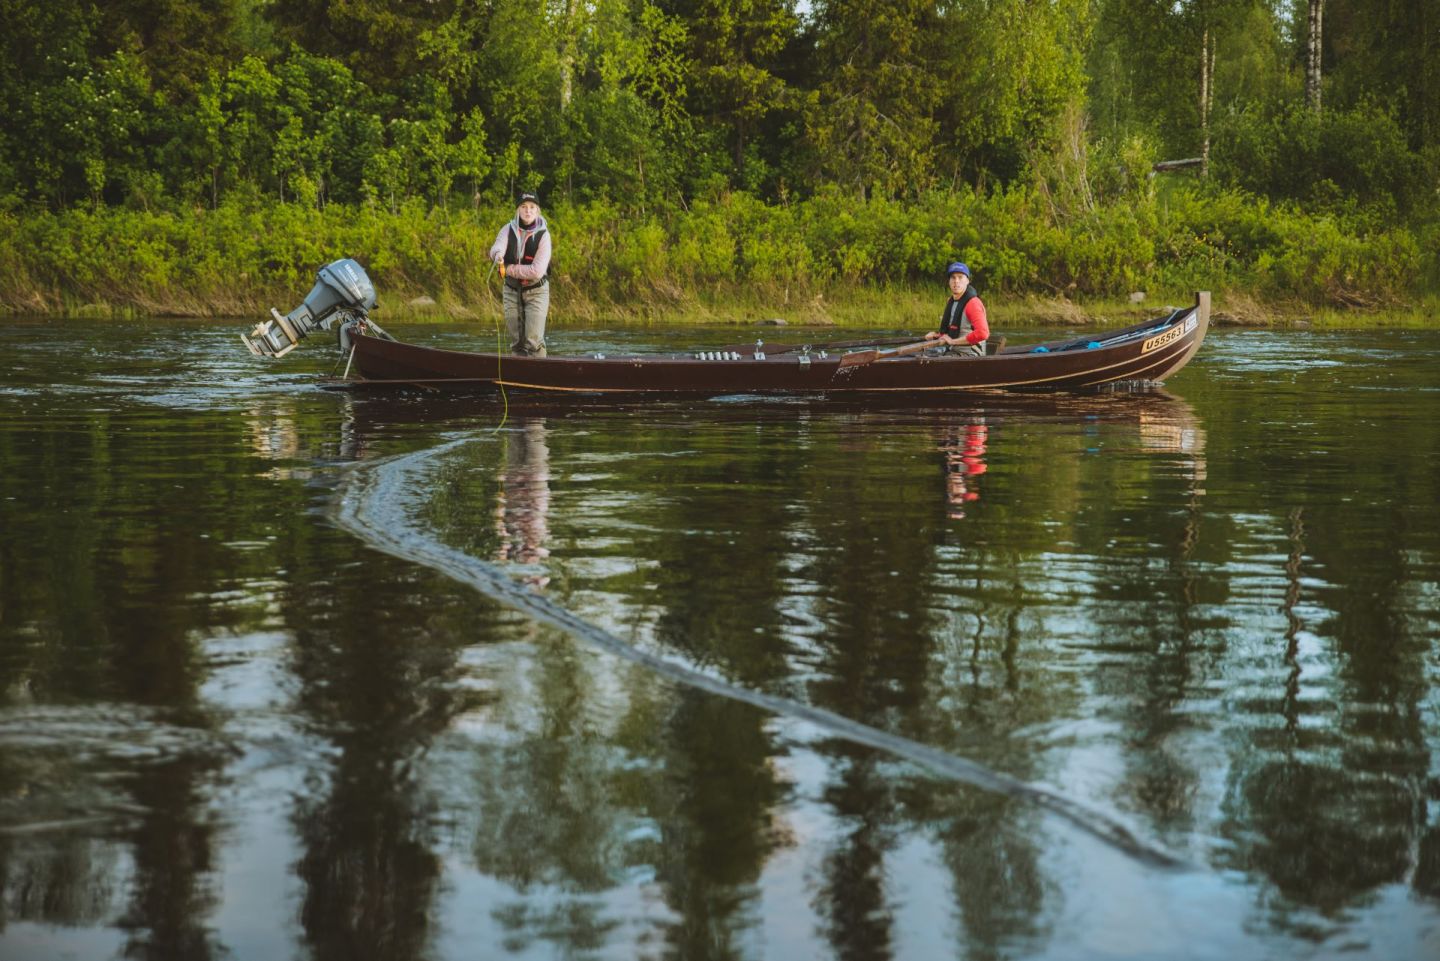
(287, 673)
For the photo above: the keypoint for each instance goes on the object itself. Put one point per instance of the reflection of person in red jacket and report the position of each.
(964, 461)
(964, 327)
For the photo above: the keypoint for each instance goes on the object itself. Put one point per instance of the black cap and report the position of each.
(528, 198)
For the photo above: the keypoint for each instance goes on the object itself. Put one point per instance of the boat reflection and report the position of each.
(1163, 424)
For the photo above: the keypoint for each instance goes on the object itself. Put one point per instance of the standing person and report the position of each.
(963, 325)
(522, 249)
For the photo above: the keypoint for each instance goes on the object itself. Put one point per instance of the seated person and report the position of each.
(963, 326)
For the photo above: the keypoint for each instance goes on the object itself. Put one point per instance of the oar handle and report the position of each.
(860, 358)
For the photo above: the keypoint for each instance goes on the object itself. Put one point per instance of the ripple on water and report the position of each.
(69, 766)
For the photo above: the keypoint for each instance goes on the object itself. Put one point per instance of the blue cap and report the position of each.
(957, 268)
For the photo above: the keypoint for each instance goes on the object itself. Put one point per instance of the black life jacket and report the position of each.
(952, 319)
(513, 255)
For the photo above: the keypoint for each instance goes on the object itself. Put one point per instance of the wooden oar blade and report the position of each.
(859, 358)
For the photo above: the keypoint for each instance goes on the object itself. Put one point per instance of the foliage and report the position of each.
(751, 142)
(870, 119)
(240, 259)
(1387, 50)
(1009, 71)
(732, 82)
(1345, 158)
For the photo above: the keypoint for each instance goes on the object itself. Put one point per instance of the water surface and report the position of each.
(695, 679)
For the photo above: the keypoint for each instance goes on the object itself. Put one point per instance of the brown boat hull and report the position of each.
(1147, 352)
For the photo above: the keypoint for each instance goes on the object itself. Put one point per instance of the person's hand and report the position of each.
(931, 335)
(947, 339)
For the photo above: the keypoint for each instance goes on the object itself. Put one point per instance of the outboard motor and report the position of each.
(342, 292)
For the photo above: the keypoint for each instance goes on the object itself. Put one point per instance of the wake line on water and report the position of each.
(370, 506)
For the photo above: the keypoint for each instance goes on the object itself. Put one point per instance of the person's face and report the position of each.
(958, 283)
(527, 211)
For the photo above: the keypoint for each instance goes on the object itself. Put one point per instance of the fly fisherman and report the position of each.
(963, 325)
(522, 249)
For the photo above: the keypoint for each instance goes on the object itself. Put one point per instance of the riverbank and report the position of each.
(826, 260)
(904, 307)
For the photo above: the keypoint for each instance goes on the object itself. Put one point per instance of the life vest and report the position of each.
(953, 320)
(515, 255)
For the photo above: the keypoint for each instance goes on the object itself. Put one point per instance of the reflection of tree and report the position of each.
(570, 800)
(547, 812)
(716, 821)
(1144, 522)
(376, 666)
(991, 847)
(368, 868)
(566, 803)
(1326, 701)
(1330, 813)
(852, 899)
(173, 893)
(1293, 623)
(725, 537)
(989, 842)
(68, 881)
(721, 578)
(899, 616)
(148, 521)
(871, 666)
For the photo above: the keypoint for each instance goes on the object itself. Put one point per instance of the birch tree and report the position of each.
(1312, 54)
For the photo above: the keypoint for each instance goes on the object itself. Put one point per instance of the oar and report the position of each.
(860, 358)
(769, 349)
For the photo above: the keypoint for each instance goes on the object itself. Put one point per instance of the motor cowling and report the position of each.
(342, 292)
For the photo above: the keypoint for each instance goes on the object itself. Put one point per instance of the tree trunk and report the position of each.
(567, 53)
(1207, 95)
(739, 149)
(1312, 55)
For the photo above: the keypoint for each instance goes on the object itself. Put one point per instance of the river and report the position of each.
(296, 673)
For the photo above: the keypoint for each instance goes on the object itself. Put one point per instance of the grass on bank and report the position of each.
(903, 307)
(827, 260)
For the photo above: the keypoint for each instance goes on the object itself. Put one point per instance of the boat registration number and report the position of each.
(1169, 337)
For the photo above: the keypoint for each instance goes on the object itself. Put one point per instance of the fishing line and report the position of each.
(371, 505)
(499, 382)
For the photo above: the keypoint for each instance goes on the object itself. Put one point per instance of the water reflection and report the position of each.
(964, 449)
(377, 664)
(1215, 615)
(174, 888)
(523, 503)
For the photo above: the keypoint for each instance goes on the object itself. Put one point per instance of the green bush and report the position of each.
(241, 257)
(1340, 160)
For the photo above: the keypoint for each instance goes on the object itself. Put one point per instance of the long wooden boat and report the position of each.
(1147, 352)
